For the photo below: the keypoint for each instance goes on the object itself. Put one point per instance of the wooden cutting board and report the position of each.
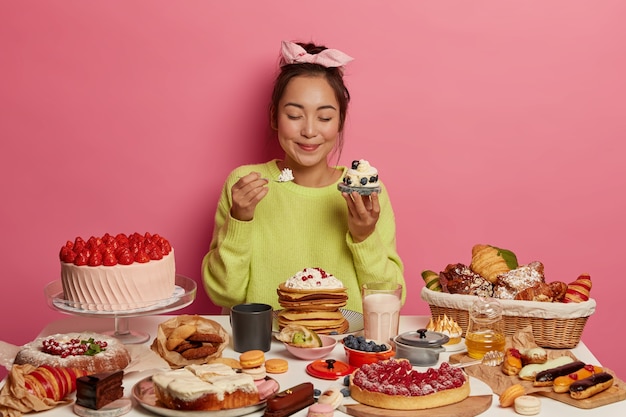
(491, 375)
(469, 407)
(611, 395)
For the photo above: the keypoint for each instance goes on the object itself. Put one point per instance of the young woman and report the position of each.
(266, 230)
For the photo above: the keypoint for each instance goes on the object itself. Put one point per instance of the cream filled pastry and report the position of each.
(360, 177)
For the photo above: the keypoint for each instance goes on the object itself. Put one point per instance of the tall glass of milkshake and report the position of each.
(381, 310)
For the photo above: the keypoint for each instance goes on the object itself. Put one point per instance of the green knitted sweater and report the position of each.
(294, 227)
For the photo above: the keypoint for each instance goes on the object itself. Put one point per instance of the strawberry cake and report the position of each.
(115, 273)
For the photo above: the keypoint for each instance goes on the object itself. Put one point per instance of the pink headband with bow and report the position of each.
(329, 58)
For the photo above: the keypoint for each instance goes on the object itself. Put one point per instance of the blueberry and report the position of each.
(346, 381)
(345, 392)
(316, 392)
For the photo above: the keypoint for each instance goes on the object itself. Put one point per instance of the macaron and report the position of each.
(332, 396)
(321, 410)
(276, 366)
(510, 394)
(257, 373)
(527, 405)
(266, 387)
(251, 359)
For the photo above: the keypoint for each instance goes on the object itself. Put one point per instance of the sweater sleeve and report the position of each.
(226, 267)
(376, 258)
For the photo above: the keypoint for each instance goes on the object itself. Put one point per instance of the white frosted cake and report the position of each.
(117, 273)
(205, 387)
(360, 177)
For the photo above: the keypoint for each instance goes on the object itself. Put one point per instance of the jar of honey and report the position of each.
(485, 330)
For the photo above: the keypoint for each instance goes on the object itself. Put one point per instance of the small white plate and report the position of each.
(457, 347)
(114, 409)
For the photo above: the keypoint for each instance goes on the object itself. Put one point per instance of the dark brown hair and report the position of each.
(334, 77)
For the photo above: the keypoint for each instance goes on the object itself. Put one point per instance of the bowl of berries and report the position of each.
(360, 351)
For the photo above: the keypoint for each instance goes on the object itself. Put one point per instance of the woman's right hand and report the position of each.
(246, 194)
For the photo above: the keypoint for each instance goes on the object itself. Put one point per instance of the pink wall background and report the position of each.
(491, 122)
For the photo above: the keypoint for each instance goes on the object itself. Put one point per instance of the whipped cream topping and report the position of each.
(312, 278)
(361, 174)
(286, 175)
(365, 167)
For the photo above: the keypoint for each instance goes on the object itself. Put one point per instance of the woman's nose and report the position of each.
(309, 130)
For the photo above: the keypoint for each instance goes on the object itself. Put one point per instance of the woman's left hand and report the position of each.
(363, 212)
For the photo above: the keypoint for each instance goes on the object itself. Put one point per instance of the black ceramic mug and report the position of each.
(251, 324)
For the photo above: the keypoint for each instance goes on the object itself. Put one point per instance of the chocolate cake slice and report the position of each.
(97, 390)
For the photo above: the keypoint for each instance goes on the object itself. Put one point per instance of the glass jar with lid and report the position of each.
(485, 330)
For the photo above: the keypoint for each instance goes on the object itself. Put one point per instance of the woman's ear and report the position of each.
(273, 124)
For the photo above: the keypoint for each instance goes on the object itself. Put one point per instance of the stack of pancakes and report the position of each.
(316, 309)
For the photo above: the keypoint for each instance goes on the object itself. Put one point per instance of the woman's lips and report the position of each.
(308, 148)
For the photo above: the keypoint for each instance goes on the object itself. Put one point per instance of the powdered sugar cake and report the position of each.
(112, 357)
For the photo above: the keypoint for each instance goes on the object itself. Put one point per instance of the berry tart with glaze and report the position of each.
(91, 352)
(395, 385)
(113, 273)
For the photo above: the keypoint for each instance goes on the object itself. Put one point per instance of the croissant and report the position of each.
(559, 288)
(538, 292)
(431, 279)
(578, 291)
(489, 261)
(52, 382)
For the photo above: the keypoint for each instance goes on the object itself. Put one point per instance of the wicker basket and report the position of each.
(554, 325)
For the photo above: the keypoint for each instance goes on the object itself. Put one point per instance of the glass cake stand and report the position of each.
(183, 295)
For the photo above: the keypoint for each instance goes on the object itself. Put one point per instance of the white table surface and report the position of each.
(297, 374)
